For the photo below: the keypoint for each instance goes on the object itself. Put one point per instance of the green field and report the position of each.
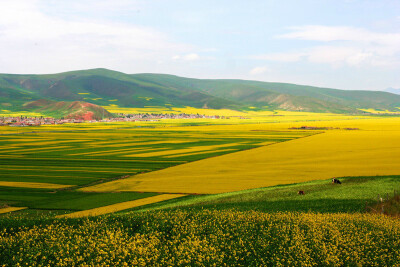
(355, 194)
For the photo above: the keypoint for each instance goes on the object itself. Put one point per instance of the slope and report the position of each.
(283, 95)
(70, 110)
(104, 87)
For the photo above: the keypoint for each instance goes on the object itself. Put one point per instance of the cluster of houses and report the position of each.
(146, 116)
(321, 128)
(33, 121)
(37, 121)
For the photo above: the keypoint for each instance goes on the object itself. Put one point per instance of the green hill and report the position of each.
(104, 87)
(69, 110)
(283, 95)
(100, 86)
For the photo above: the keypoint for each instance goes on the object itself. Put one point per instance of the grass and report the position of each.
(63, 200)
(121, 206)
(320, 196)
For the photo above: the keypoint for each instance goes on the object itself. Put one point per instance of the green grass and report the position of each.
(320, 196)
(41, 199)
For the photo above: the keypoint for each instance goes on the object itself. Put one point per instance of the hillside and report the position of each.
(69, 110)
(283, 95)
(320, 196)
(104, 87)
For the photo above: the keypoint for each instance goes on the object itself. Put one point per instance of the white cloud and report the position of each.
(284, 57)
(347, 46)
(328, 33)
(258, 70)
(50, 44)
(191, 57)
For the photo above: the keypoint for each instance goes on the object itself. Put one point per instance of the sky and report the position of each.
(345, 44)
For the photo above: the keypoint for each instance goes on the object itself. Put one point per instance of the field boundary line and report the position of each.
(121, 206)
(11, 209)
(33, 185)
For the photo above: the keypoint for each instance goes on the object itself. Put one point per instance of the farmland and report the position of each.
(338, 152)
(205, 192)
(55, 168)
(42, 167)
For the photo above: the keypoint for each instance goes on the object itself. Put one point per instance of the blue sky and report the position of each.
(339, 44)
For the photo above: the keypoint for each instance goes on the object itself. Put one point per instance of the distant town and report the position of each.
(23, 121)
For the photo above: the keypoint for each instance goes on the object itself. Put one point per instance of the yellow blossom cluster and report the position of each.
(203, 238)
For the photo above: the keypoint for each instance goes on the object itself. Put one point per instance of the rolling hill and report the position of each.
(69, 110)
(104, 87)
(283, 95)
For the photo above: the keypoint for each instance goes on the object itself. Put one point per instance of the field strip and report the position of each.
(199, 153)
(130, 143)
(121, 206)
(46, 149)
(115, 151)
(34, 185)
(316, 157)
(122, 153)
(39, 143)
(106, 151)
(52, 176)
(266, 143)
(109, 160)
(13, 156)
(181, 151)
(11, 209)
(40, 168)
(70, 168)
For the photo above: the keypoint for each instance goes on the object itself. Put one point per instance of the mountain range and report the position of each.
(103, 87)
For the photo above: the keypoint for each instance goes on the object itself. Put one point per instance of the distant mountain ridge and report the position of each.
(103, 87)
(393, 90)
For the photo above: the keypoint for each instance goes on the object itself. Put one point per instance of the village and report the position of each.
(24, 121)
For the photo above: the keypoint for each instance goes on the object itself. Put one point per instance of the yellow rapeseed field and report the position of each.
(121, 206)
(181, 151)
(198, 153)
(11, 209)
(204, 238)
(33, 185)
(374, 149)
